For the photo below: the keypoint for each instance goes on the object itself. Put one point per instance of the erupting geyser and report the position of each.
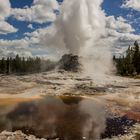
(80, 29)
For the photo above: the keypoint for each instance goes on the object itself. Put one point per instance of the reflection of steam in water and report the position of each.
(95, 124)
(66, 118)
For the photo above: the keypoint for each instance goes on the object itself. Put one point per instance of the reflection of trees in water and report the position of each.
(5, 124)
(49, 118)
(54, 117)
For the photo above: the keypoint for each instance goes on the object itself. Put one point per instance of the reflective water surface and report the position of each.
(69, 118)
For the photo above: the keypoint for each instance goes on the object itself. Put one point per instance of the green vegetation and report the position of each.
(129, 64)
(23, 65)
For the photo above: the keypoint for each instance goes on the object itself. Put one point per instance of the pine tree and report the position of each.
(17, 63)
(3, 65)
(130, 64)
(129, 61)
(136, 57)
(8, 66)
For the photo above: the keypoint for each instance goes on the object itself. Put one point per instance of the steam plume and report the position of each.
(80, 29)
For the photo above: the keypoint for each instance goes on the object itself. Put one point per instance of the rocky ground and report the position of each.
(121, 96)
(60, 83)
(18, 135)
(134, 134)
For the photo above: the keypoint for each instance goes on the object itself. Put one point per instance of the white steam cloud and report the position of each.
(96, 123)
(80, 29)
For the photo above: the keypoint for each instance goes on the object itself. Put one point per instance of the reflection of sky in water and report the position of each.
(65, 117)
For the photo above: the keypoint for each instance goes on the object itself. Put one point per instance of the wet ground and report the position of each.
(64, 117)
(102, 109)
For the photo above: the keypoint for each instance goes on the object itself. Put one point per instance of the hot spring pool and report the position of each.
(64, 117)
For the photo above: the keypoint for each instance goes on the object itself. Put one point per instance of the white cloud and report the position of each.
(30, 26)
(130, 16)
(121, 33)
(35, 36)
(5, 9)
(10, 48)
(12, 53)
(6, 28)
(40, 12)
(21, 43)
(123, 41)
(134, 4)
(119, 25)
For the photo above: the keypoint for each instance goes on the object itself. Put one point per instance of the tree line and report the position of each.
(21, 65)
(129, 64)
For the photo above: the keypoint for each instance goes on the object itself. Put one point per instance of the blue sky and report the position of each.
(111, 7)
(20, 24)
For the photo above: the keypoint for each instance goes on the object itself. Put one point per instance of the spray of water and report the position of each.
(80, 30)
